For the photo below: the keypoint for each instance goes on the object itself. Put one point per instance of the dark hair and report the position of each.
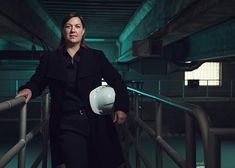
(64, 21)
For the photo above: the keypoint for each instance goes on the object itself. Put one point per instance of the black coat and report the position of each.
(93, 67)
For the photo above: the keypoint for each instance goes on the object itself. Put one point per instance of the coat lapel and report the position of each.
(57, 65)
(87, 64)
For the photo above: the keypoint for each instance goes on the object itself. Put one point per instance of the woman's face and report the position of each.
(73, 31)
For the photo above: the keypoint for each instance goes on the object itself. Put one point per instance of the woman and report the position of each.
(79, 138)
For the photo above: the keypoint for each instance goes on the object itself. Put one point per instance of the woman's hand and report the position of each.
(119, 117)
(27, 93)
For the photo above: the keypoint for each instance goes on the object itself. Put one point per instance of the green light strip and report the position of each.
(164, 100)
(99, 40)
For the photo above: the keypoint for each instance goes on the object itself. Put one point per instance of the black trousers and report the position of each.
(75, 149)
(75, 140)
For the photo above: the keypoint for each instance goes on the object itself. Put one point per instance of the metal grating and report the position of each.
(103, 18)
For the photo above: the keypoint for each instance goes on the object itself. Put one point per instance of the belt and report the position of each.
(80, 111)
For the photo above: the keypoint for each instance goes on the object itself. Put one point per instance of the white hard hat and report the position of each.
(102, 99)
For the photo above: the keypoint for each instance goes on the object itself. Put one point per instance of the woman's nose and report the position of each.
(72, 28)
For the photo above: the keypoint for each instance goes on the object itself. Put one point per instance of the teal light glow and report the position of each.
(44, 16)
(137, 18)
(99, 40)
(126, 57)
(94, 40)
(3, 44)
(162, 99)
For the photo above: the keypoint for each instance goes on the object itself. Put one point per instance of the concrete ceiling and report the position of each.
(103, 18)
(27, 23)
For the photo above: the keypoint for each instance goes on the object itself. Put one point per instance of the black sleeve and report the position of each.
(37, 82)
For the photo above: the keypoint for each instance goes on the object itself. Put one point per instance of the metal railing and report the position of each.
(211, 137)
(170, 88)
(20, 147)
(216, 135)
(192, 113)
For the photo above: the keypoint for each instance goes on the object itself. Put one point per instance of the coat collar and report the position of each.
(57, 64)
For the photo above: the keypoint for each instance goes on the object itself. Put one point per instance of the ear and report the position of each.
(83, 32)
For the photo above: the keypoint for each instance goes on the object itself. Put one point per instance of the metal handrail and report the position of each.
(20, 147)
(191, 111)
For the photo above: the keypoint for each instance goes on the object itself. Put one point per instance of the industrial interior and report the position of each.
(179, 116)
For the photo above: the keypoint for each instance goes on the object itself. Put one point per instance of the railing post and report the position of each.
(158, 128)
(138, 161)
(190, 141)
(23, 123)
(214, 150)
(45, 116)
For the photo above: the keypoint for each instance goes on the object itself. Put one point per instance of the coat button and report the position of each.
(81, 112)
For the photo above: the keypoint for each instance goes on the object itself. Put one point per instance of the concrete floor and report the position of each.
(228, 152)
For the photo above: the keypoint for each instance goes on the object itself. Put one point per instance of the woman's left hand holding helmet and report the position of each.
(119, 117)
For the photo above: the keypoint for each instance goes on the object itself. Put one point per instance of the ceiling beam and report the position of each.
(170, 23)
(28, 24)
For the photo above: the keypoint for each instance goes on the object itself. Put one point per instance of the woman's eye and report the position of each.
(78, 26)
(67, 26)
(70, 26)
